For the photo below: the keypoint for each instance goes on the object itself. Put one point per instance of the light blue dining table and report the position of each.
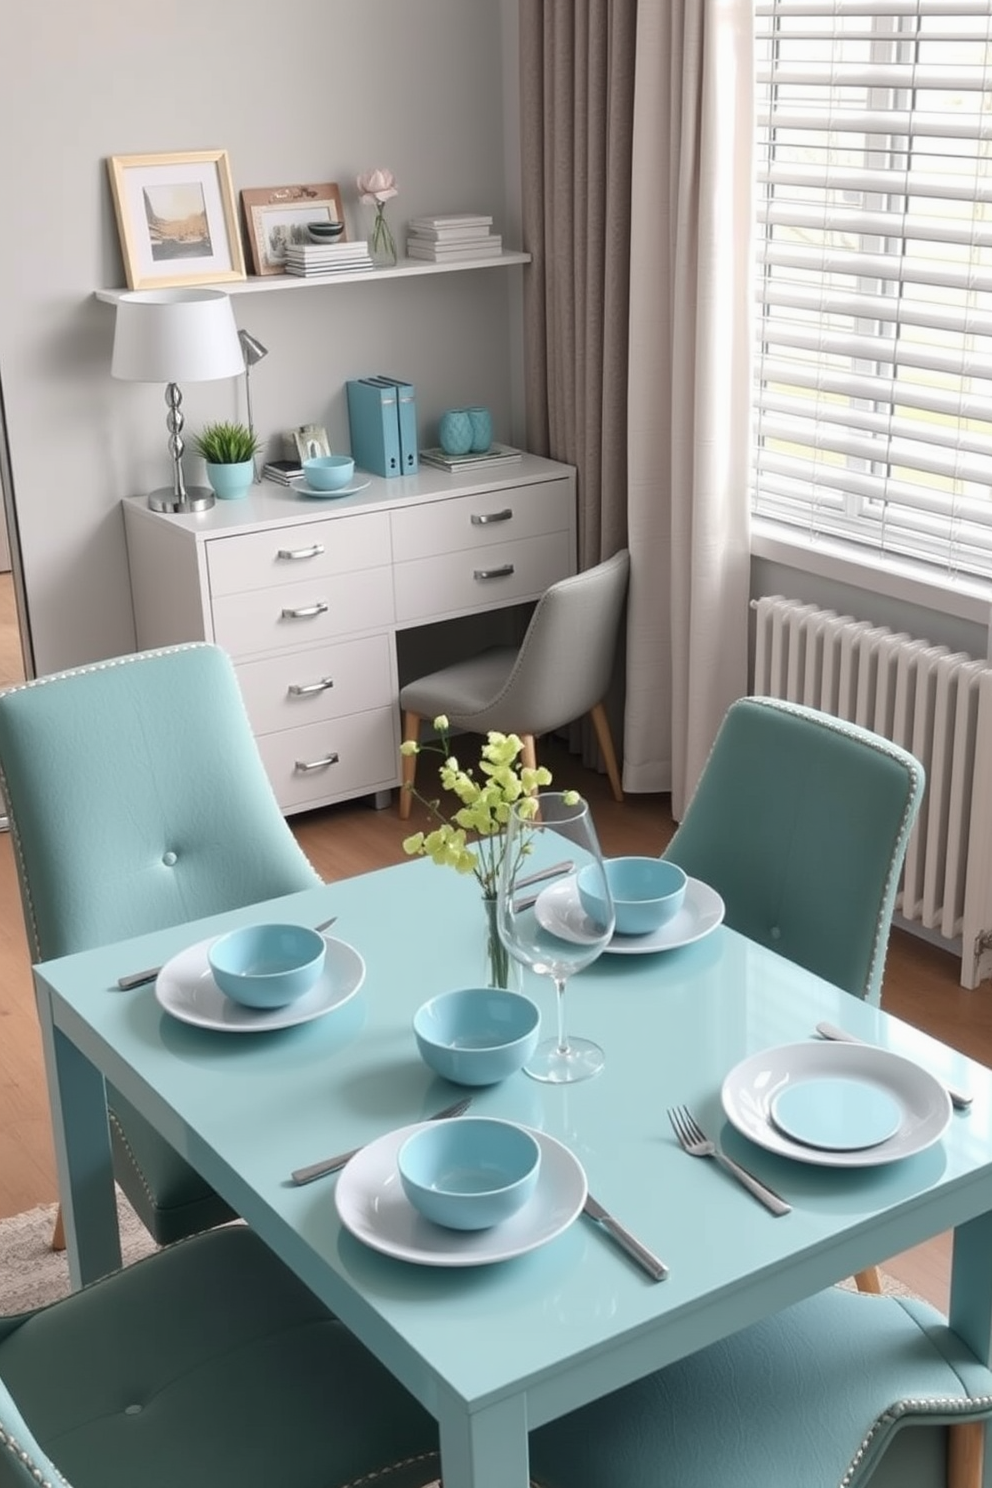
(496, 1350)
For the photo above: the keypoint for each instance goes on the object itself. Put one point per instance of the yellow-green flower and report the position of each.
(485, 803)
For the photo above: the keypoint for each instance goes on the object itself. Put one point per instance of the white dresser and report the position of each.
(308, 595)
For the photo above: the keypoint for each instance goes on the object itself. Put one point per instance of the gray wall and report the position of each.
(302, 90)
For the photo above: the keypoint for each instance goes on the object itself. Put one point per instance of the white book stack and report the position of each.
(308, 260)
(441, 239)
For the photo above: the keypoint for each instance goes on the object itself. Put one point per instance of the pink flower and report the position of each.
(377, 186)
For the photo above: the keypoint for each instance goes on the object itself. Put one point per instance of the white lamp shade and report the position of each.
(176, 335)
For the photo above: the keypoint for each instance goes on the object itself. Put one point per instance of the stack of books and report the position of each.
(282, 471)
(496, 454)
(307, 260)
(440, 239)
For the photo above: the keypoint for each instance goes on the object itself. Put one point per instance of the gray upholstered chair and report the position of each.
(209, 1365)
(137, 799)
(560, 672)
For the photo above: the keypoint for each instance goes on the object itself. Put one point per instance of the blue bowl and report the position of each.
(267, 966)
(647, 892)
(477, 1035)
(328, 472)
(469, 1173)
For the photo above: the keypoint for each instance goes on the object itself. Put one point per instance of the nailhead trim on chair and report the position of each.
(938, 1405)
(881, 746)
(114, 1120)
(13, 1445)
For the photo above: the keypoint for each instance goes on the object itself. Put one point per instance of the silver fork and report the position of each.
(332, 1164)
(693, 1139)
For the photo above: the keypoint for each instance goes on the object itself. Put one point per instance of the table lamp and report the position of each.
(253, 351)
(173, 336)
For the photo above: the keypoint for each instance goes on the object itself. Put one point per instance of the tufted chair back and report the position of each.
(137, 799)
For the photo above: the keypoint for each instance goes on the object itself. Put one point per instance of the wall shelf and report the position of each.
(407, 268)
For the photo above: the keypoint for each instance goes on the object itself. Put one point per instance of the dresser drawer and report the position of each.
(478, 521)
(458, 583)
(303, 614)
(330, 761)
(282, 555)
(310, 686)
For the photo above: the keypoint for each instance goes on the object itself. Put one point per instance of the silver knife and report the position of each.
(959, 1098)
(138, 978)
(656, 1269)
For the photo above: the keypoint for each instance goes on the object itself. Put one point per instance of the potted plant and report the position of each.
(229, 450)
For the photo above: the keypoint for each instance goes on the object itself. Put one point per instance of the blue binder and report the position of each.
(406, 409)
(374, 422)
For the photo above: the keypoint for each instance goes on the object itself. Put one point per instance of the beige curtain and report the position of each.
(636, 147)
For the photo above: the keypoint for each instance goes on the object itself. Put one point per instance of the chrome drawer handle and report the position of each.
(482, 519)
(294, 553)
(307, 689)
(306, 765)
(493, 573)
(306, 612)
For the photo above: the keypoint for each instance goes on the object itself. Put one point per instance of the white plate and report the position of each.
(185, 988)
(750, 1089)
(559, 911)
(300, 486)
(372, 1205)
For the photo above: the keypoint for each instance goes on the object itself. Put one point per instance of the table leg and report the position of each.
(487, 1449)
(82, 1153)
(971, 1304)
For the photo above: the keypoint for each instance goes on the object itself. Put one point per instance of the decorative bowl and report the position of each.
(325, 232)
(469, 1173)
(646, 892)
(328, 472)
(477, 1035)
(267, 966)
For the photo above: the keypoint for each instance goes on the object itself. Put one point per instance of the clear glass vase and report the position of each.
(499, 969)
(382, 244)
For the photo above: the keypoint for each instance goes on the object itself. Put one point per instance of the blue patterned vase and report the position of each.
(482, 429)
(455, 432)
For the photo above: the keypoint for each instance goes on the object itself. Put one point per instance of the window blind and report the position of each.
(873, 404)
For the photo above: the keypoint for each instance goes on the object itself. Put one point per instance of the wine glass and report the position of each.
(548, 926)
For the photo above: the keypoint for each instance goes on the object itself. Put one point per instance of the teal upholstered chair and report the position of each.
(560, 672)
(800, 822)
(208, 1365)
(137, 799)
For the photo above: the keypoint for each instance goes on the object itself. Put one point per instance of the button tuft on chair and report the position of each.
(133, 1410)
(776, 933)
(170, 859)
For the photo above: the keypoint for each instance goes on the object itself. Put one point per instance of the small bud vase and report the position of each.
(382, 244)
(499, 969)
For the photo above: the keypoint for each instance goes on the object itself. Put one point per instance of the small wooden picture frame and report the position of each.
(177, 218)
(278, 215)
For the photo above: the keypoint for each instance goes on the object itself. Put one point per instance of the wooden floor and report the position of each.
(921, 983)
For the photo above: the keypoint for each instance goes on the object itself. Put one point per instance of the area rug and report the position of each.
(31, 1273)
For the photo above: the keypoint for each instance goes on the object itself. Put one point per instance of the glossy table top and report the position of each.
(574, 1318)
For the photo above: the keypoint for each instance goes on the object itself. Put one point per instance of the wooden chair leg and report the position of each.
(408, 764)
(869, 1281)
(528, 755)
(965, 1445)
(58, 1233)
(605, 740)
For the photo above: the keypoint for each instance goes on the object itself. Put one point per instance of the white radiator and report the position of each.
(935, 703)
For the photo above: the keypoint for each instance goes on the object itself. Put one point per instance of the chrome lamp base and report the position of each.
(190, 499)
